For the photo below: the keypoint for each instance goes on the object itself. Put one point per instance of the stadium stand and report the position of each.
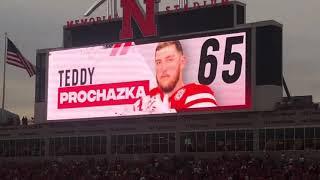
(234, 167)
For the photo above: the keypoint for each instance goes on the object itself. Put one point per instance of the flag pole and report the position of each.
(4, 76)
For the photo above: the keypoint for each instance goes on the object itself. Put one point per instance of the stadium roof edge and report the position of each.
(260, 24)
(238, 2)
(46, 50)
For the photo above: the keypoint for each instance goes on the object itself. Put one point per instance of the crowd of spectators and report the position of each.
(233, 167)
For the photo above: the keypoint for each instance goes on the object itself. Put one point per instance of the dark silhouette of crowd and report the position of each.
(233, 167)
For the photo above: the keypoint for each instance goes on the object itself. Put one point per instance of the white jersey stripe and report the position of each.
(199, 96)
(203, 105)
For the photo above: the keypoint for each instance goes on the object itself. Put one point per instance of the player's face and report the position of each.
(169, 65)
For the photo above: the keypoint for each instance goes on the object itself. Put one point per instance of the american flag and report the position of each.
(15, 58)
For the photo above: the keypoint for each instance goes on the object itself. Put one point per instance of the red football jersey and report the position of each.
(189, 96)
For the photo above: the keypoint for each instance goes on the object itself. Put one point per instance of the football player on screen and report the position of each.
(172, 94)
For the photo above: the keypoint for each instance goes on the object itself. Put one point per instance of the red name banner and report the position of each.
(102, 94)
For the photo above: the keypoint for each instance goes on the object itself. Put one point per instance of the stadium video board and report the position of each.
(199, 72)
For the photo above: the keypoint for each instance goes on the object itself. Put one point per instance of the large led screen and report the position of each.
(208, 73)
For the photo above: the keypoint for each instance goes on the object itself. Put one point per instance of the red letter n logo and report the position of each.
(146, 23)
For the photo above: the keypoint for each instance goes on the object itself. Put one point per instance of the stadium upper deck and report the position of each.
(292, 127)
